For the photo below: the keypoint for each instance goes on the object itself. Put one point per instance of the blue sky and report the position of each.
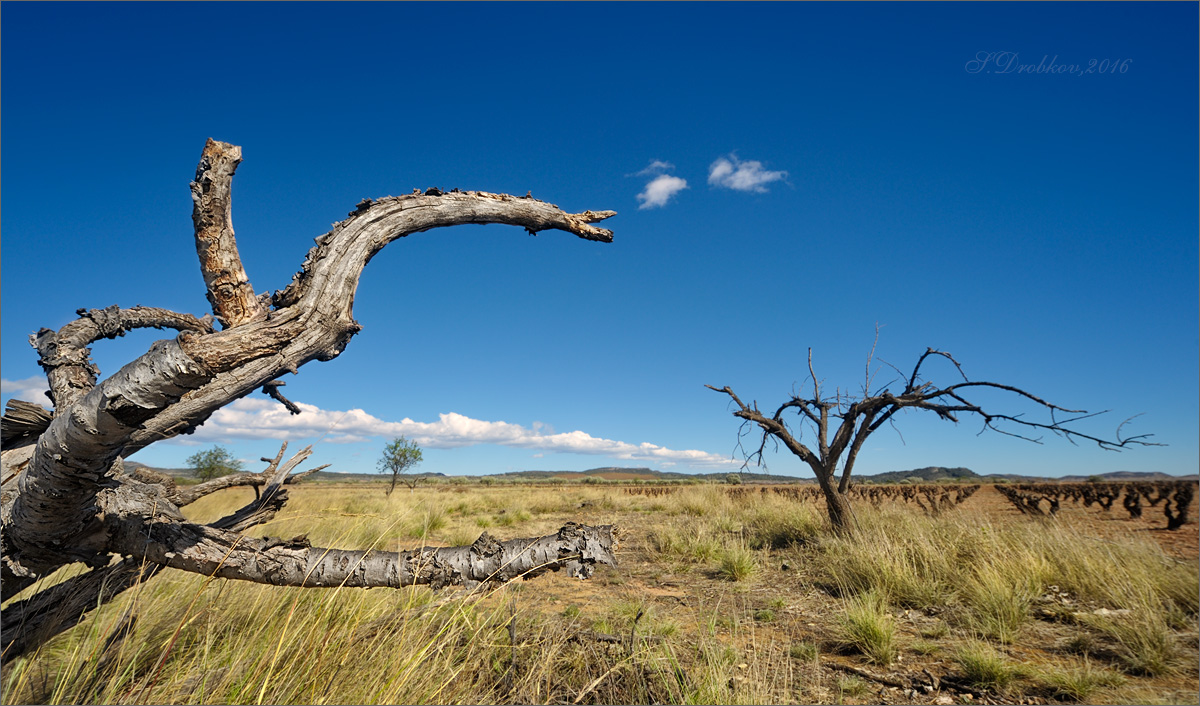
(845, 165)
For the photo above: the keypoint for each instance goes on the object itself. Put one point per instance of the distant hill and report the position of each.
(645, 474)
(933, 474)
(1128, 475)
(929, 474)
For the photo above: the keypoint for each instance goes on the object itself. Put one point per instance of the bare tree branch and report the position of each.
(862, 415)
(272, 390)
(65, 354)
(29, 623)
(178, 384)
(23, 423)
(229, 290)
(215, 552)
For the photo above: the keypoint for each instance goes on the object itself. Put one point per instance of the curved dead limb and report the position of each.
(178, 384)
(229, 289)
(65, 354)
(71, 501)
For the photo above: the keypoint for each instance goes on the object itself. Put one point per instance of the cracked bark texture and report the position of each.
(68, 500)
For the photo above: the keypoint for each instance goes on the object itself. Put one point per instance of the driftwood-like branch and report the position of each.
(65, 354)
(69, 499)
(213, 552)
(29, 623)
(188, 494)
(229, 290)
(272, 390)
(313, 316)
(56, 501)
(178, 384)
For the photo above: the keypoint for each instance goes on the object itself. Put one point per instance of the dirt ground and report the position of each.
(1182, 544)
(804, 614)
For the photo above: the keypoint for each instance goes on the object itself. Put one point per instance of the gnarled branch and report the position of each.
(229, 290)
(214, 552)
(178, 384)
(65, 354)
(30, 622)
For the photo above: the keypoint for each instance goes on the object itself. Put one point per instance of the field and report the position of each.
(724, 594)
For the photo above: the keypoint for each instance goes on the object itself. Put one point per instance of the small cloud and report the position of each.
(660, 190)
(732, 173)
(31, 389)
(656, 167)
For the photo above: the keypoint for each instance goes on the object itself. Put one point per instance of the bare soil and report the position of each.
(698, 600)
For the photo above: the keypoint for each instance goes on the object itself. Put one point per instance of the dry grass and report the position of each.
(701, 610)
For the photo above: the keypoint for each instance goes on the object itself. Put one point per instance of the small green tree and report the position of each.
(398, 457)
(733, 478)
(214, 462)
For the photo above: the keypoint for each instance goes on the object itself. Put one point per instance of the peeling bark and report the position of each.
(229, 290)
(67, 499)
(55, 503)
(23, 423)
(206, 550)
(65, 354)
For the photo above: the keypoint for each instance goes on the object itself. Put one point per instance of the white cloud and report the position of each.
(267, 419)
(660, 190)
(732, 173)
(656, 167)
(31, 389)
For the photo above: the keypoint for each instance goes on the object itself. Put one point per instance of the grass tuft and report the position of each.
(985, 668)
(737, 564)
(1081, 683)
(867, 627)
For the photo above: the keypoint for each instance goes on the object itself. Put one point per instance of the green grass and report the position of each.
(1142, 638)
(868, 628)
(985, 668)
(737, 564)
(1081, 683)
(804, 651)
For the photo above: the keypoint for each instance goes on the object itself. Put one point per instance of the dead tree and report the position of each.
(65, 498)
(842, 422)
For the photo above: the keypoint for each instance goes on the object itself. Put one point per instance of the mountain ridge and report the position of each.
(927, 474)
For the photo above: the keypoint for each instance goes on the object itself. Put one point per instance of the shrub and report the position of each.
(804, 651)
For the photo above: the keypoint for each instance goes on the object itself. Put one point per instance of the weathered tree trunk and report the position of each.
(837, 504)
(63, 501)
